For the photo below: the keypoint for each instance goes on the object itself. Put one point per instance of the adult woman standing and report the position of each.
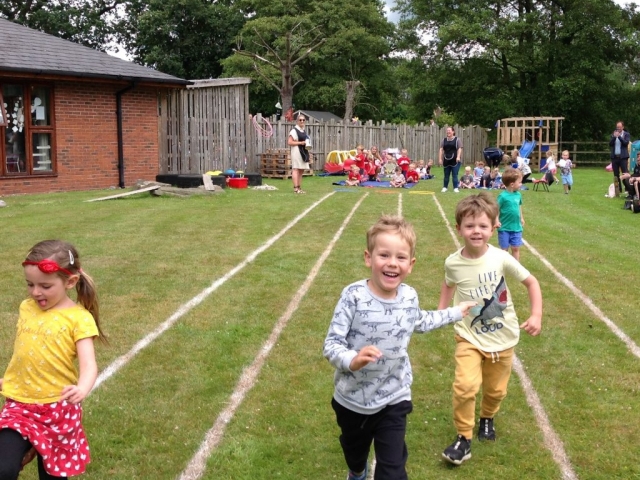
(298, 141)
(619, 144)
(450, 157)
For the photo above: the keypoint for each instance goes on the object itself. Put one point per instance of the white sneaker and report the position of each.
(444, 189)
(455, 190)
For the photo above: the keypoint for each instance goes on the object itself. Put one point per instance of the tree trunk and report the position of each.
(352, 87)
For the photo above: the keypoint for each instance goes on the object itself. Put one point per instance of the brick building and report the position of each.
(73, 118)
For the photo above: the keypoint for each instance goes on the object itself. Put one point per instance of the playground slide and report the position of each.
(527, 147)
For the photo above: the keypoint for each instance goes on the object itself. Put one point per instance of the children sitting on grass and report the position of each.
(424, 171)
(360, 159)
(467, 181)
(398, 180)
(478, 171)
(496, 178)
(354, 176)
(421, 169)
(404, 161)
(485, 180)
(412, 174)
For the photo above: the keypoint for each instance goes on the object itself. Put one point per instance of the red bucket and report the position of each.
(238, 182)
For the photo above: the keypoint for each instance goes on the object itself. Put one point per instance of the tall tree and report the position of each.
(487, 59)
(349, 41)
(186, 38)
(91, 23)
(280, 48)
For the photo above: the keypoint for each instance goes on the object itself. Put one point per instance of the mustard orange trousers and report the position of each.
(475, 369)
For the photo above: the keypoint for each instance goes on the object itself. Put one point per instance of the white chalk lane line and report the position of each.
(551, 439)
(197, 465)
(123, 360)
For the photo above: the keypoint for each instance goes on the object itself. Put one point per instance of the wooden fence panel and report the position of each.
(208, 127)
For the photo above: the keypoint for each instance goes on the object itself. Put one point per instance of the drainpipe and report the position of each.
(119, 94)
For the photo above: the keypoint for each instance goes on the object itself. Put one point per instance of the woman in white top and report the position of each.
(298, 141)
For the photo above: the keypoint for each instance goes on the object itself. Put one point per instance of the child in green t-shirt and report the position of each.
(511, 222)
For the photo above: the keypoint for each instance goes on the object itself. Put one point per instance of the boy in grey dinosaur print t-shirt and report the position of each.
(367, 344)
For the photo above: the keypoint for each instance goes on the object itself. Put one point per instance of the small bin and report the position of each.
(242, 182)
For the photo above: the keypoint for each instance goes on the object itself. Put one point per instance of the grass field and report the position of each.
(150, 256)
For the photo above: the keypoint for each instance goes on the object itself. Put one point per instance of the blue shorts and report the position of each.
(509, 239)
(567, 179)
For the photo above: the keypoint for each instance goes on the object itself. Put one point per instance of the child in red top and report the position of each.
(354, 176)
(361, 158)
(373, 167)
(412, 174)
(404, 161)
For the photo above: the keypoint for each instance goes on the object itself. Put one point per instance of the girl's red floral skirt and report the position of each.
(54, 430)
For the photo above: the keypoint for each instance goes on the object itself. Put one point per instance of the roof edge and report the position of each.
(128, 78)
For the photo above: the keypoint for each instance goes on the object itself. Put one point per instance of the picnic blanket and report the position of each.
(375, 184)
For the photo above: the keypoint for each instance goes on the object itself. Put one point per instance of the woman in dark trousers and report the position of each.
(450, 157)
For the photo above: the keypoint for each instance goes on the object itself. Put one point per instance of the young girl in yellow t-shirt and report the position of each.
(42, 413)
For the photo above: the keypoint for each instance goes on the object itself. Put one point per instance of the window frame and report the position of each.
(28, 130)
(3, 111)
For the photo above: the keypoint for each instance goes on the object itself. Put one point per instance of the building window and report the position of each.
(28, 130)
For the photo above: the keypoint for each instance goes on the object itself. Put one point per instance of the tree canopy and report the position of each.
(477, 60)
(487, 60)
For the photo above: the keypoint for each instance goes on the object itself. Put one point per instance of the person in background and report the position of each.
(630, 180)
(550, 166)
(361, 159)
(566, 165)
(412, 174)
(422, 169)
(450, 157)
(398, 180)
(511, 220)
(429, 165)
(404, 161)
(299, 141)
(619, 145)
(485, 180)
(478, 171)
(496, 179)
(467, 180)
(522, 165)
(354, 176)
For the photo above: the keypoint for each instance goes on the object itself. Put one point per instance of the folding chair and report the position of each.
(544, 181)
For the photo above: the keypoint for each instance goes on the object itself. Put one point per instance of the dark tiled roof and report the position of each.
(324, 116)
(30, 51)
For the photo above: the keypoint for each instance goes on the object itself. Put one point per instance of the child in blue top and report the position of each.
(511, 222)
(367, 344)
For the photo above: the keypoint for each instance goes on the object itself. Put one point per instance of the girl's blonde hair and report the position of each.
(67, 257)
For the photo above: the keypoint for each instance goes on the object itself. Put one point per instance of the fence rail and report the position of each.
(590, 154)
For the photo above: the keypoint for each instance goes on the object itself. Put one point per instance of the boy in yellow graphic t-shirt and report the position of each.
(486, 337)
